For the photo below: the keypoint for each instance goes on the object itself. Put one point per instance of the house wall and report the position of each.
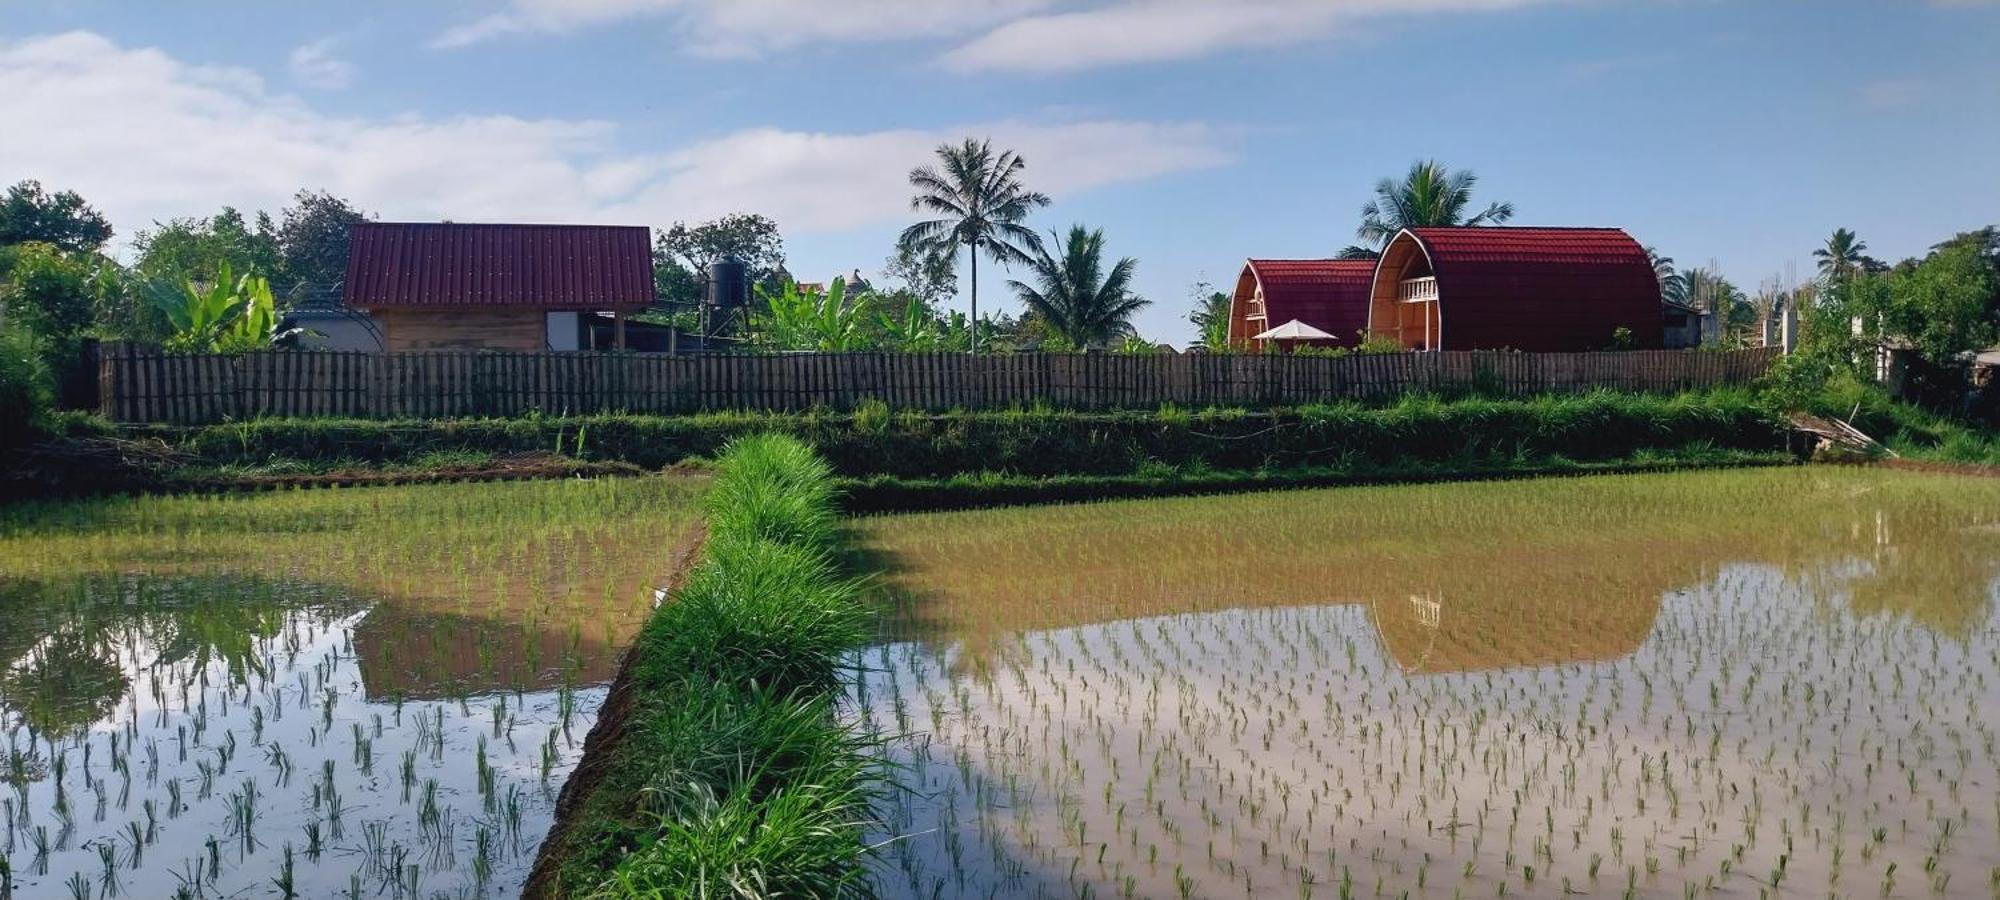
(1246, 302)
(1541, 306)
(463, 329)
(1679, 329)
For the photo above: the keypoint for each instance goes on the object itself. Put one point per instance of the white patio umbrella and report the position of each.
(1294, 330)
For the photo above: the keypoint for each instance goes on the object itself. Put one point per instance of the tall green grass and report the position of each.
(732, 776)
(1906, 428)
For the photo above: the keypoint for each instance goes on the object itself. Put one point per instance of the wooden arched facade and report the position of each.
(1530, 289)
(1328, 294)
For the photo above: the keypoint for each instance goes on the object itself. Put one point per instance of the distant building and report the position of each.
(1328, 294)
(496, 287)
(1532, 289)
(1680, 325)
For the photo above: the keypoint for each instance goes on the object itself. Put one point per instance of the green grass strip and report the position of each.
(733, 777)
(975, 490)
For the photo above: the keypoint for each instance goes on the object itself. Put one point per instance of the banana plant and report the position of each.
(812, 320)
(228, 315)
(914, 330)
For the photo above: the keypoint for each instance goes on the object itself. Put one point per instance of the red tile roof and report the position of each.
(1541, 289)
(430, 264)
(1328, 294)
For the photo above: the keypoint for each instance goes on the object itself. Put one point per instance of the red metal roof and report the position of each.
(1541, 289)
(447, 264)
(1328, 294)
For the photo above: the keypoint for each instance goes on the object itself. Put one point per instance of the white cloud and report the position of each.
(833, 181)
(1019, 35)
(147, 137)
(746, 27)
(1141, 31)
(1895, 93)
(315, 65)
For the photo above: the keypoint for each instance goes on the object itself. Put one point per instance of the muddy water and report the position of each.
(1723, 682)
(223, 737)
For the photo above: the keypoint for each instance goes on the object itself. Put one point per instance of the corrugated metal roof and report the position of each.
(1542, 289)
(1328, 294)
(449, 264)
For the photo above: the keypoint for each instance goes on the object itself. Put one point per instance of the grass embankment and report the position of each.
(873, 442)
(1911, 431)
(885, 494)
(718, 767)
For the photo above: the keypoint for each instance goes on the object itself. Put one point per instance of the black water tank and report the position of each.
(728, 283)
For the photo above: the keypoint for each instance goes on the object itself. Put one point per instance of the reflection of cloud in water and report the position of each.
(1215, 737)
(1265, 690)
(165, 698)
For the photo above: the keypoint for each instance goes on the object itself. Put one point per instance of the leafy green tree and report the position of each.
(980, 203)
(29, 214)
(312, 244)
(1084, 303)
(1944, 307)
(1428, 195)
(930, 275)
(50, 290)
(178, 251)
(59, 297)
(188, 248)
(683, 252)
(1984, 241)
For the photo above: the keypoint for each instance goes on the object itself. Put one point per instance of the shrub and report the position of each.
(27, 390)
(1048, 442)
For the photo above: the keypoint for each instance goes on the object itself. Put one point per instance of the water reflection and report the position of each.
(1656, 683)
(226, 736)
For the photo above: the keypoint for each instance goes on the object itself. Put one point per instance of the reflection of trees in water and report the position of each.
(1524, 574)
(417, 655)
(72, 649)
(63, 683)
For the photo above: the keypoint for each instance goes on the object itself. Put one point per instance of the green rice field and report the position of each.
(1742, 683)
(339, 693)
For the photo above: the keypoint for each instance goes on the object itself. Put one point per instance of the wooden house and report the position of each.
(1531, 289)
(1328, 294)
(445, 285)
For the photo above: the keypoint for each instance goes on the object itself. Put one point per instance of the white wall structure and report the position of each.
(335, 329)
(564, 334)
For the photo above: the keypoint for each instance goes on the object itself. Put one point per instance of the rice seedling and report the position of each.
(1628, 685)
(246, 663)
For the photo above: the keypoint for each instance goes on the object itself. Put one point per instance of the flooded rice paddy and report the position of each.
(1750, 683)
(347, 693)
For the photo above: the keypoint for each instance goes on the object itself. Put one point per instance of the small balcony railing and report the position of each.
(1417, 290)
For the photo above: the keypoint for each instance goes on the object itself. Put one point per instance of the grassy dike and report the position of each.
(877, 442)
(718, 767)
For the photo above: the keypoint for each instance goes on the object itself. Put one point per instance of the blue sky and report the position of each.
(1196, 133)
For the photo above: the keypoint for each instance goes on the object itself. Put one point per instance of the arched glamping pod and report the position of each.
(1328, 294)
(1533, 289)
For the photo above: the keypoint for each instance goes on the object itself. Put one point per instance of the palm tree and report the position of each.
(1075, 295)
(1430, 195)
(1843, 255)
(1673, 284)
(980, 202)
